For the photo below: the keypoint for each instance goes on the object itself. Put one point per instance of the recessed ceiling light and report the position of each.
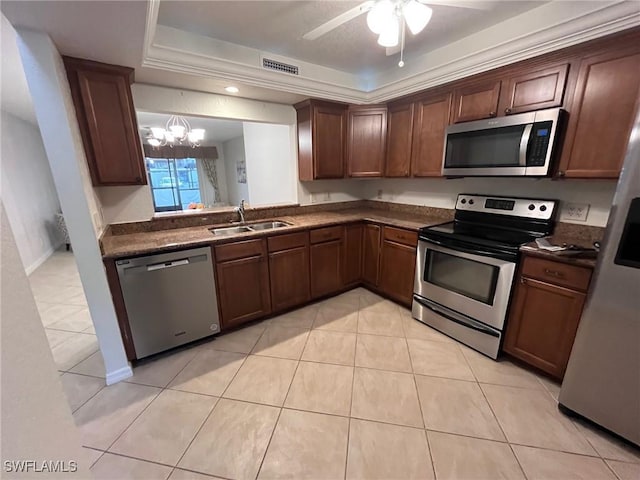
(232, 89)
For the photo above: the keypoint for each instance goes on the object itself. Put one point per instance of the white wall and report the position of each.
(234, 153)
(438, 192)
(28, 191)
(61, 138)
(36, 420)
(271, 171)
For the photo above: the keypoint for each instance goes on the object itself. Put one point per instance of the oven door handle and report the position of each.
(473, 326)
(472, 251)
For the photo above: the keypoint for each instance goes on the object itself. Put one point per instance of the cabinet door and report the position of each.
(476, 101)
(243, 290)
(371, 254)
(107, 121)
(602, 114)
(326, 265)
(367, 139)
(330, 127)
(430, 124)
(397, 271)
(289, 275)
(352, 254)
(399, 135)
(536, 90)
(542, 325)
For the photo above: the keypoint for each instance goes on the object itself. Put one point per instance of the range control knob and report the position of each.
(463, 201)
(532, 207)
(543, 208)
(471, 202)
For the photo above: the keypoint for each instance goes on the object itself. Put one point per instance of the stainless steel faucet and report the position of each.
(240, 210)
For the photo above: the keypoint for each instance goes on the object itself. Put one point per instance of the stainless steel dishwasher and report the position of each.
(170, 298)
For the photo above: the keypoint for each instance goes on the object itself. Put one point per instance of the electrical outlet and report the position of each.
(379, 195)
(576, 211)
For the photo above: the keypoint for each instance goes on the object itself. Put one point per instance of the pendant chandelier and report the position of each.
(177, 131)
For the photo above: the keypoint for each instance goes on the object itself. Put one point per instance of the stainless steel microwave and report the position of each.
(517, 145)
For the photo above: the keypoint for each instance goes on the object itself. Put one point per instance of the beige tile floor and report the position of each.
(351, 387)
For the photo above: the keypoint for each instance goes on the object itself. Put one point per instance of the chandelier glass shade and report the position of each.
(177, 131)
(386, 16)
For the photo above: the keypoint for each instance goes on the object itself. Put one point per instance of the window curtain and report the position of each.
(205, 162)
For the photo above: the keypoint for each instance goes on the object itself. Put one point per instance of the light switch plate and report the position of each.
(576, 212)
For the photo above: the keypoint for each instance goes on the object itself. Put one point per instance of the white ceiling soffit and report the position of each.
(548, 27)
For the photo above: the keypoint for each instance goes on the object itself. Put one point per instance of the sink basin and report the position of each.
(254, 227)
(268, 225)
(230, 230)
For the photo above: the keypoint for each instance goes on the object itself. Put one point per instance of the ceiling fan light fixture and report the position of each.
(154, 142)
(378, 16)
(417, 16)
(390, 33)
(177, 131)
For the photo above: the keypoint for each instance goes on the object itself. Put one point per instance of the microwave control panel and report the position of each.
(539, 143)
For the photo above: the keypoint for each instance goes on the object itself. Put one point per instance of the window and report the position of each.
(174, 183)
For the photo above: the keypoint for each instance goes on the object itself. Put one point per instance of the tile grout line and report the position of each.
(353, 382)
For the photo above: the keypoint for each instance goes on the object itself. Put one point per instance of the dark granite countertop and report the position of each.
(139, 243)
(587, 260)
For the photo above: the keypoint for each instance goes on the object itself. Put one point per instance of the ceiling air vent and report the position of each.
(279, 66)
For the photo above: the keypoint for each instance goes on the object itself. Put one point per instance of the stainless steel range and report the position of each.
(465, 268)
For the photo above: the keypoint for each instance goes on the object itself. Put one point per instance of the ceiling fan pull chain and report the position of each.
(401, 62)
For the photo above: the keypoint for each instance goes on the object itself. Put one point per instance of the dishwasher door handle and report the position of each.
(163, 265)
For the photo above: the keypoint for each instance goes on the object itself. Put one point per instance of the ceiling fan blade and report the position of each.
(339, 20)
(470, 4)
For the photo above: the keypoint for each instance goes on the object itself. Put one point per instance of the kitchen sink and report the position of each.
(230, 230)
(254, 227)
(268, 225)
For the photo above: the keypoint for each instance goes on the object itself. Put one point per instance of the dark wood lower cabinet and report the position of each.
(243, 289)
(326, 266)
(289, 275)
(542, 324)
(352, 254)
(397, 270)
(371, 254)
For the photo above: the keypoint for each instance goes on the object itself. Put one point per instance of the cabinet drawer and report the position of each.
(557, 273)
(398, 235)
(325, 234)
(288, 241)
(245, 249)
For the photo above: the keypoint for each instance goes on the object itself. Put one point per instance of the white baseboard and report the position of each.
(119, 375)
(41, 259)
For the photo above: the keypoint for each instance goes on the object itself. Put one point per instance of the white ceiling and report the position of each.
(208, 45)
(278, 27)
(216, 130)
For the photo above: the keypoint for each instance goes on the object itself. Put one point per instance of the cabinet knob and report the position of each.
(492, 114)
(507, 111)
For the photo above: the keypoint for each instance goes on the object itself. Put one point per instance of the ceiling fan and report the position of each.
(388, 19)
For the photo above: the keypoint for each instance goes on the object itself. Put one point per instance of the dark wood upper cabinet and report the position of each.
(399, 136)
(322, 131)
(429, 127)
(352, 254)
(535, 90)
(602, 114)
(476, 101)
(545, 314)
(243, 281)
(367, 135)
(104, 107)
(289, 270)
(371, 254)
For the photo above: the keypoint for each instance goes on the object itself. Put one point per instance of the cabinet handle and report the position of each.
(507, 111)
(492, 114)
(553, 273)
(523, 280)
(561, 173)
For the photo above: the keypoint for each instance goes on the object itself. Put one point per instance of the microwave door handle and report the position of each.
(524, 143)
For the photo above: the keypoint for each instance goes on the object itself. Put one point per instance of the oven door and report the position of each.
(473, 284)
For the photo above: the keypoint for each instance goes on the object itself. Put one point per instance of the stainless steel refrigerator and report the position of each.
(602, 381)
